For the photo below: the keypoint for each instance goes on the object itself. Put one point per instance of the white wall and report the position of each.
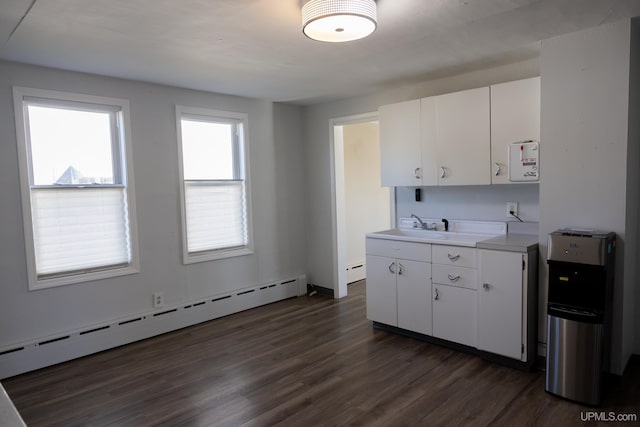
(318, 157)
(367, 204)
(277, 173)
(633, 181)
(584, 129)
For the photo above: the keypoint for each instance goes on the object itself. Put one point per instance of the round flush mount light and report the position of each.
(339, 20)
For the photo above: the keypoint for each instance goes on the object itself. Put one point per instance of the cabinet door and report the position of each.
(463, 137)
(381, 290)
(429, 142)
(400, 144)
(414, 290)
(454, 314)
(500, 303)
(515, 117)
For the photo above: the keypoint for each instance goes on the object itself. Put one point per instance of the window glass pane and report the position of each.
(70, 147)
(207, 150)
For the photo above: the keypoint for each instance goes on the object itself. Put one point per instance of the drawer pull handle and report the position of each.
(486, 286)
(390, 270)
(416, 173)
(453, 258)
(437, 297)
(400, 269)
(443, 172)
(454, 278)
(498, 169)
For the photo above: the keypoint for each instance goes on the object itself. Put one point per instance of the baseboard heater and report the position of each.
(356, 272)
(47, 351)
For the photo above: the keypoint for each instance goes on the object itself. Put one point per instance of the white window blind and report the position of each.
(215, 215)
(79, 229)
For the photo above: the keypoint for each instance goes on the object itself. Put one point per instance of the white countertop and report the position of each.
(427, 236)
(511, 242)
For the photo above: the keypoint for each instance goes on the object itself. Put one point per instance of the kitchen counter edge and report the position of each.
(510, 242)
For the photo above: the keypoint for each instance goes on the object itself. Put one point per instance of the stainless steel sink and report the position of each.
(422, 234)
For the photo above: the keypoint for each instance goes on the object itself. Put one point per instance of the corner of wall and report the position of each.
(633, 177)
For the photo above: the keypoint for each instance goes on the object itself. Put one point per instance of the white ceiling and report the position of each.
(256, 48)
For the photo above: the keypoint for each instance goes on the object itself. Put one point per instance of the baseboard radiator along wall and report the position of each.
(356, 271)
(51, 350)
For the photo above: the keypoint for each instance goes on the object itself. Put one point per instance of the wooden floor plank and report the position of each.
(304, 361)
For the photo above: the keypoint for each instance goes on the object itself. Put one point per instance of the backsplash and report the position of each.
(483, 202)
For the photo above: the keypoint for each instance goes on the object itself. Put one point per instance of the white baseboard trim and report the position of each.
(51, 350)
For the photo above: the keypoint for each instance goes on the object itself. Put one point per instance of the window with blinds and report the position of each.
(214, 192)
(78, 221)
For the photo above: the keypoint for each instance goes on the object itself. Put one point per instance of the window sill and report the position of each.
(215, 255)
(71, 279)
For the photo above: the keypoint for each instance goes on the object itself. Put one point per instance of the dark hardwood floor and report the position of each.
(302, 362)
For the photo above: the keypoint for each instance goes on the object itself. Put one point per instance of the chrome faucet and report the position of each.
(422, 224)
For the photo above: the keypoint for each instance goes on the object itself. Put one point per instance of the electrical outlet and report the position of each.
(158, 300)
(512, 209)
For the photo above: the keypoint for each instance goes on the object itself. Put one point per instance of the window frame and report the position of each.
(122, 175)
(241, 172)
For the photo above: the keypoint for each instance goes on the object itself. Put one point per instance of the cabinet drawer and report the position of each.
(454, 255)
(462, 277)
(399, 249)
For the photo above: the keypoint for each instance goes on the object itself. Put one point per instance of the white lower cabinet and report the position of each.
(398, 287)
(414, 306)
(454, 314)
(500, 303)
(398, 293)
(382, 302)
(454, 298)
(481, 298)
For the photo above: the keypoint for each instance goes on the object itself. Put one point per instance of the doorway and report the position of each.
(361, 205)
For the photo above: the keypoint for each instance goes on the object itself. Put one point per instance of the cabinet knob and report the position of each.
(498, 169)
(453, 258)
(400, 269)
(453, 278)
(390, 270)
(437, 297)
(486, 286)
(443, 172)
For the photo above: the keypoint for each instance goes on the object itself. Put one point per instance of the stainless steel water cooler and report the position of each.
(579, 312)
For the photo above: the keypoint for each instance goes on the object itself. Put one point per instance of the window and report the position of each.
(76, 191)
(214, 191)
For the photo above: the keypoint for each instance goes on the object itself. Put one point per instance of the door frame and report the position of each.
(338, 216)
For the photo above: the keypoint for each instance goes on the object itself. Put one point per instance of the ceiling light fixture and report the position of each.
(339, 20)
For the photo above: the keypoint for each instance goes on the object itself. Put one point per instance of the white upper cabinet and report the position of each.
(429, 135)
(400, 150)
(459, 138)
(515, 117)
(463, 137)
(440, 140)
